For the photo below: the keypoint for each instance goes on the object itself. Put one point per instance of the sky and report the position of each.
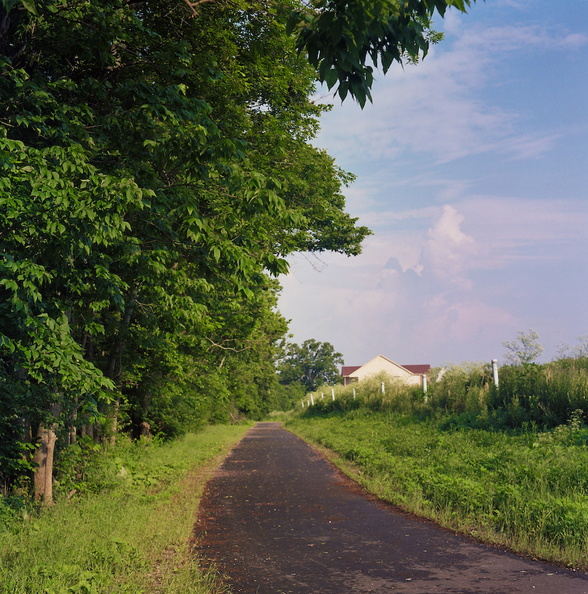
(472, 173)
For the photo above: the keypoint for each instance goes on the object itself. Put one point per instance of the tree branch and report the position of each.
(193, 5)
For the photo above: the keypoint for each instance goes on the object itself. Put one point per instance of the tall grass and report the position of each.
(543, 396)
(526, 491)
(507, 463)
(122, 524)
(395, 396)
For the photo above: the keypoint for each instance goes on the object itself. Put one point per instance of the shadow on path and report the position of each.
(279, 518)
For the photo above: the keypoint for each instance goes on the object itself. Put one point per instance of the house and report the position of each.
(411, 374)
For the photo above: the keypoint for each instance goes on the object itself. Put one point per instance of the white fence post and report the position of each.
(333, 393)
(353, 393)
(495, 371)
(311, 400)
(383, 388)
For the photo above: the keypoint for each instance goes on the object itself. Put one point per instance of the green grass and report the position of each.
(128, 531)
(526, 491)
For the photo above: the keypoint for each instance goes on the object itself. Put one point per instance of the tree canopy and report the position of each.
(524, 349)
(311, 364)
(345, 39)
(157, 168)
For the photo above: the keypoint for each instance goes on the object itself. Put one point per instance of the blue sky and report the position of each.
(472, 171)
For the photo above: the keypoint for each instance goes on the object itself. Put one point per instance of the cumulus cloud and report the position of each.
(479, 223)
(448, 249)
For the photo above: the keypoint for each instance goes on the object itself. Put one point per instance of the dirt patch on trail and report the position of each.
(277, 517)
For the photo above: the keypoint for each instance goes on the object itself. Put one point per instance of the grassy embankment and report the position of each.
(127, 527)
(525, 489)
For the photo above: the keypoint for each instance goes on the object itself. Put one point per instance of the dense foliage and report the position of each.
(309, 365)
(156, 168)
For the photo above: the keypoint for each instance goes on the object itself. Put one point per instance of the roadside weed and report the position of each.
(130, 531)
(527, 491)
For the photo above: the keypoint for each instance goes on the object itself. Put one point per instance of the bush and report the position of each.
(528, 395)
(545, 395)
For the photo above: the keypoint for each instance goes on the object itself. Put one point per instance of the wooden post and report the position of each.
(333, 393)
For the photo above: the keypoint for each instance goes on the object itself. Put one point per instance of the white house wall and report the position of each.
(382, 365)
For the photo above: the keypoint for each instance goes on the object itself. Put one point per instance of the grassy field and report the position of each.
(527, 491)
(127, 526)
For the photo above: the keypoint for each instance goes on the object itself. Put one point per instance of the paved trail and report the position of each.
(278, 518)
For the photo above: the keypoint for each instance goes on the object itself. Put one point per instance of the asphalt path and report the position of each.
(277, 517)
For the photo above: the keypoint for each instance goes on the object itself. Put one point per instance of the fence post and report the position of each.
(353, 393)
(495, 371)
(311, 400)
(425, 386)
(383, 388)
(333, 393)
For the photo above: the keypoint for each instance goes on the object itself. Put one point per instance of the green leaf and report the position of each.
(331, 77)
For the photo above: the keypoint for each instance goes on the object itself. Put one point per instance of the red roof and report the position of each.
(419, 369)
(347, 370)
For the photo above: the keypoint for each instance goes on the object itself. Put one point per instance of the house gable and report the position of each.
(411, 374)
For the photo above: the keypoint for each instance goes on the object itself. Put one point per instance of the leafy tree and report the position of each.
(156, 168)
(524, 349)
(311, 364)
(345, 39)
(578, 351)
(143, 203)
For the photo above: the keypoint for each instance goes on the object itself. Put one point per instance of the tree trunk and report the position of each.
(114, 420)
(88, 430)
(114, 366)
(43, 458)
(114, 359)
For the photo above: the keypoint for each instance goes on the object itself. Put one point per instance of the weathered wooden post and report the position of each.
(495, 371)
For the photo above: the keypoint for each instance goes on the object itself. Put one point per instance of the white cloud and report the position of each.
(511, 229)
(448, 249)
(466, 252)
(461, 321)
(439, 106)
